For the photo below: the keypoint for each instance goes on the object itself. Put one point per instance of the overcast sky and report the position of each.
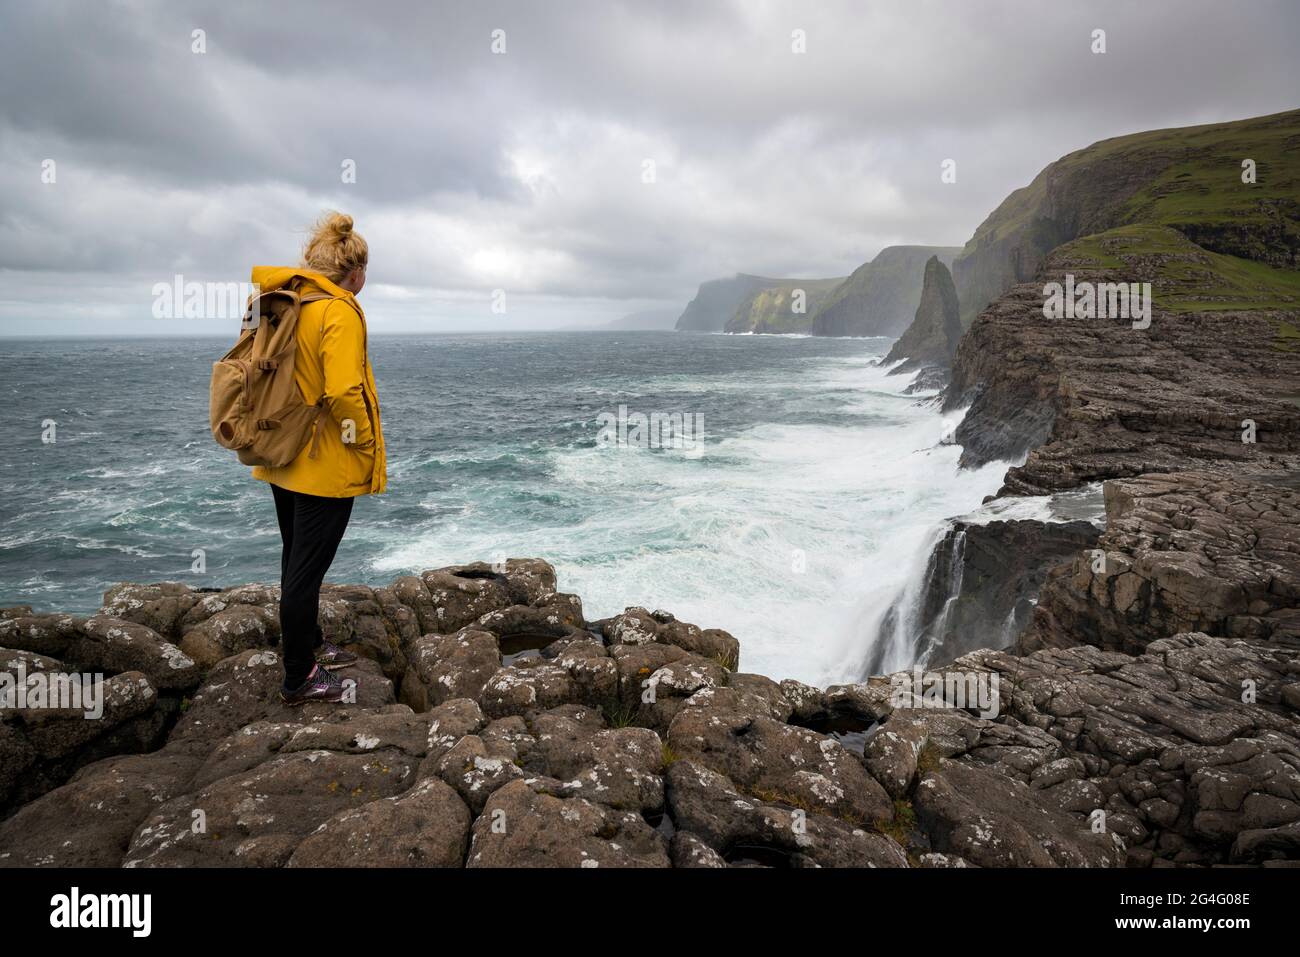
(524, 170)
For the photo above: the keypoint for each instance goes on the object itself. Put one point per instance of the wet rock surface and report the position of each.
(1085, 400)
(1152, 697)
(637, 742)
(1190, 551)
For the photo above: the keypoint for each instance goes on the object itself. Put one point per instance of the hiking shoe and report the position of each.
(319, 686)
(331, 657)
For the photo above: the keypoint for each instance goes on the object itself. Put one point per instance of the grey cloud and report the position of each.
(523, 171)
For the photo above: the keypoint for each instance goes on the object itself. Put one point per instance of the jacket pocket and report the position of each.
(360, 466)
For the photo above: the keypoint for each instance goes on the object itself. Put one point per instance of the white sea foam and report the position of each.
(716, 540)
(1084, 502)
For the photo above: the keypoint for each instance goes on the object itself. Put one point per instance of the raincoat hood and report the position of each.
(268, 278)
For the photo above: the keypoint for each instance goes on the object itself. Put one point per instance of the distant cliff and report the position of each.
(773, 310)
(717, 300)
(880, 297)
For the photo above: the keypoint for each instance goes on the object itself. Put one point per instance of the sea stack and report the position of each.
(931, 340)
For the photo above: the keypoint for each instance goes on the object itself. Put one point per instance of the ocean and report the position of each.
(815, 492)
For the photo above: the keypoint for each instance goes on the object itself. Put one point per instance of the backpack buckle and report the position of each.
(267, 425)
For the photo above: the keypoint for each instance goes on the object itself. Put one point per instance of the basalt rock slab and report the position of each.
(520, 827)
(160, 607)
(350, 730)
(475, 769)
(444, 667)
(624, 771)
(204, 602)
(992, 821)
(538, 685)
(557, 617)
(234, 629)
(779, 762)
(459, 595)
(259, 818)
(427, 826)
(42, 746)
(1189, 551)
(558, 742)
(89, 821)
(1178, 751)
(245, 688)
(740, 828)
(102, 644)
(637, 626)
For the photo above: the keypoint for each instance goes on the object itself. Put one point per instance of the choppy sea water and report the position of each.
(819, 487)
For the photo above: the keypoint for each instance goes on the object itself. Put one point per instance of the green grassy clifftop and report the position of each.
(1187, 179)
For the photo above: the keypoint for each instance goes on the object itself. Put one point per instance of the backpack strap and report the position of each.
(311, 297)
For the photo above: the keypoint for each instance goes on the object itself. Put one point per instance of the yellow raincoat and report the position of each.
(331, 362)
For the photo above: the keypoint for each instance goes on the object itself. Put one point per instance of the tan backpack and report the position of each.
(256, 408)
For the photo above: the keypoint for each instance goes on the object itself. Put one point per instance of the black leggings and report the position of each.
(311, 528)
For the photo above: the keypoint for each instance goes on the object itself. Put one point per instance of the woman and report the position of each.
(314, 493)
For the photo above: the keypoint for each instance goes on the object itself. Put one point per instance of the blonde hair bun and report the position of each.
(334, 248)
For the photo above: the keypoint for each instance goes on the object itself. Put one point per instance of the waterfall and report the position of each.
(943, 584)
(1009, 545)
(917, 618)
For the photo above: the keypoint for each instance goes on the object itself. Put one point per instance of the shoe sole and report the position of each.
(303, 701)
(336, 666)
